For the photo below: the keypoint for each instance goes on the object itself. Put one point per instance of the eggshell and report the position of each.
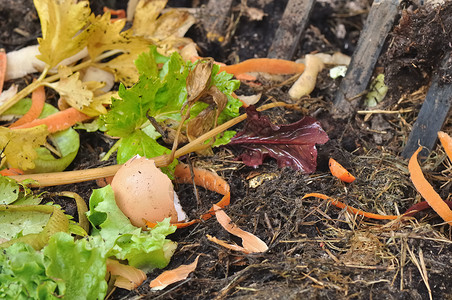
(143, 192)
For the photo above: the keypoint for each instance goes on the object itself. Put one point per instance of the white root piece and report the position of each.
(9, 93)
(96, 74)
(131, 6)
(337, 58)
(251, 99)
(306, 82)
(23, 61)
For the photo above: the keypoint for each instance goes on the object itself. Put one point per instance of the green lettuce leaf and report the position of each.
(65, 268)
(79, 266)
(23, 276)
(139, 143)
(9, 190)
(143, 249)
(19, 223)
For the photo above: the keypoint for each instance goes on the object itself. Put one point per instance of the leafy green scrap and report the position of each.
(78, 266)
(145, 250)
(66, 142)
(52, 274)
(170, 93)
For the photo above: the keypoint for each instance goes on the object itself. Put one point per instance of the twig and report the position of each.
(421, 267)
(380, 111)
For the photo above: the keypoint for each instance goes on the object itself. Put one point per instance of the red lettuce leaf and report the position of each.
(292, 145)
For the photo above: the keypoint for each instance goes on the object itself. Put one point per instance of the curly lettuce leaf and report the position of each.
(292, 145)
(143, 249)
(65, 268)
(78, 266)
(23, 275)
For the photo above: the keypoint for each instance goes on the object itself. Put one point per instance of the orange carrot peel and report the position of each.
(338, 171)
(205, 179)
(426, 190)
(349, 208)
(250, 242)
(2, 68)
(38, 99)
(11, 172)
(60, 121)
(446, 142)
(119, 13)
(266, 65)
(172, 276)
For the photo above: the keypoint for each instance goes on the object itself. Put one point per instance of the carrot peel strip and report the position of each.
(11, 172)
(205, 179)
(426, 190)
(225, 244)
(349, 208)
(60, 121)
(251, 243)
(267, 65)
(446, 142)
(340, 172)
(38, 99)
(172, 276)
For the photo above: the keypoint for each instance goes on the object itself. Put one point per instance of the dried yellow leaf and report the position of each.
(19, 145)
(107, 36)
(63, 24)
(146, 13)
(72, 90)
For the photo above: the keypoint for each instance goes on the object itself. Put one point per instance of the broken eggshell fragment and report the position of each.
(144, 193)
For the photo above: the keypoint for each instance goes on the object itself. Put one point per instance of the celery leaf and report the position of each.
(64, 29)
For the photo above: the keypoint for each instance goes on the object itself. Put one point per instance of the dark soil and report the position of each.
(316, 251)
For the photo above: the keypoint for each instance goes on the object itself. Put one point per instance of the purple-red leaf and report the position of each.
(292, 145)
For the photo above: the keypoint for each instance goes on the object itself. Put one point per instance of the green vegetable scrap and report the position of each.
(84, 279)
(378, 91)
(145, 250)
(52, 273)
(157, 105)
(66, 143)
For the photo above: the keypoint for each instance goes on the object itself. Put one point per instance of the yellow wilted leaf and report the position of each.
(72, 90)
(20, 145)
(97, 105)
(108, 36)
(146, 13)
(166, 31)
(63, 24)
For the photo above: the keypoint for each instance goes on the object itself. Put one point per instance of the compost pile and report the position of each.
(315, 249)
